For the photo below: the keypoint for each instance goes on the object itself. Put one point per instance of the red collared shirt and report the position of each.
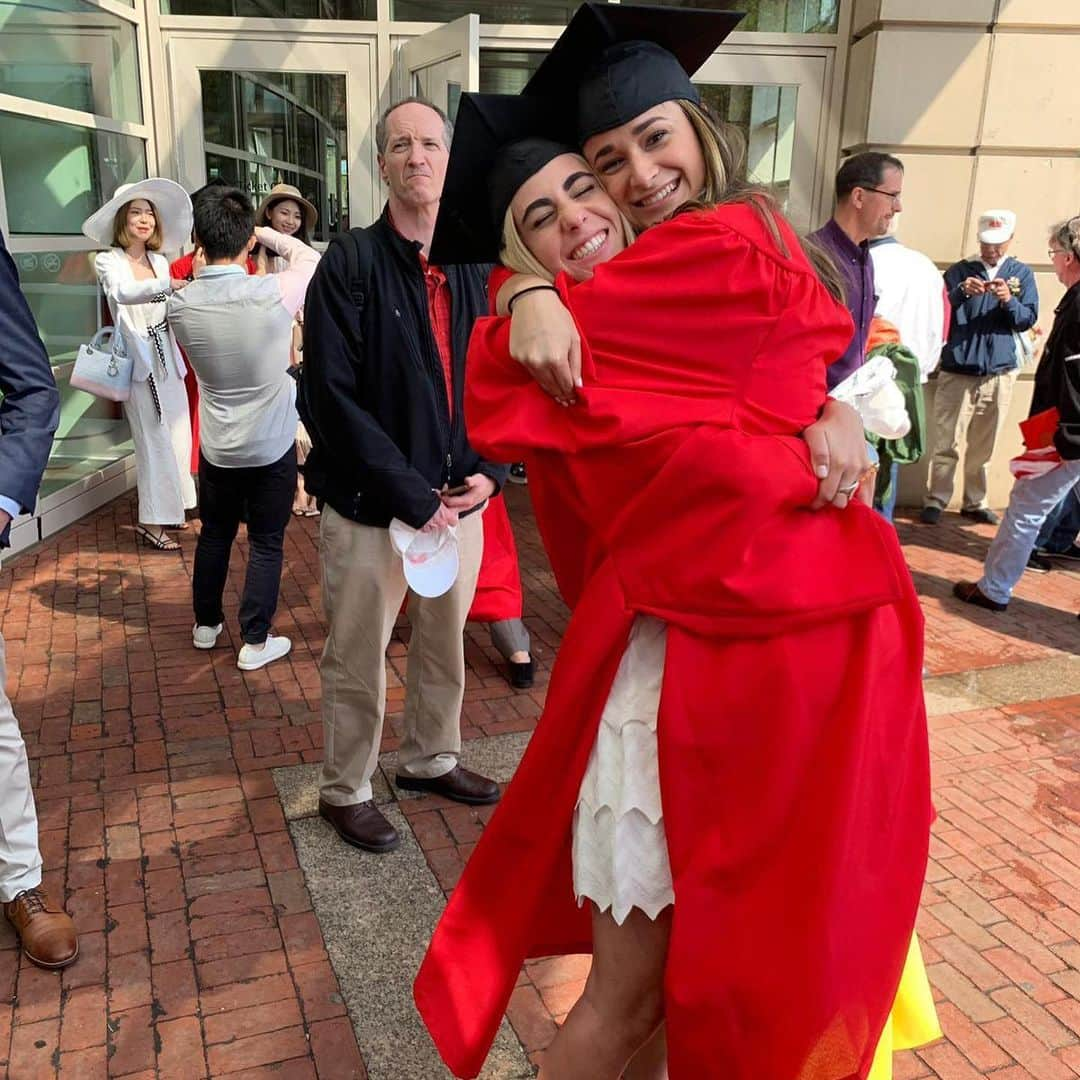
(438, 295)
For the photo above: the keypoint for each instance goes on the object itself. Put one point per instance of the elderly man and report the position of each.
(29, 413)
(869, 188)
(385, 336)
(993, 298)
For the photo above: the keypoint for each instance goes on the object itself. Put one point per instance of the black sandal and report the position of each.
(159, 542)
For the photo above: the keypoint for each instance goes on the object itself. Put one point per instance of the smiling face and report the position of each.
(566, 219)
(413, 164)
(650, 166)
(285, 217)
(141, 221)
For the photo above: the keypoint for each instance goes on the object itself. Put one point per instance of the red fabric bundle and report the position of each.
(498, 589)
(793, 750)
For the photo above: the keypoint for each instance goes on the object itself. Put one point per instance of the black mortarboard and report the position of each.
(614, 61)
(500, 140)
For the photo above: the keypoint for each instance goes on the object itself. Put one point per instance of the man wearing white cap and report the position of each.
(993, 300)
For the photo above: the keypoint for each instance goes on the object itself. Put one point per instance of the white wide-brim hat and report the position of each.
(430, 559)
(172, 205)
(996, 226)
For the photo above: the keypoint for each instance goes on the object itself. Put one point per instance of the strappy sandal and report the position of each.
(159, 542)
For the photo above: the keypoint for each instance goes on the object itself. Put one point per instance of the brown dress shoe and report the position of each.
(970, 593)
(362, 825)
(46, 931)
(458, 784)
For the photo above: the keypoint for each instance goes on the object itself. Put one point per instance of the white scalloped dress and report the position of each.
(620, 853)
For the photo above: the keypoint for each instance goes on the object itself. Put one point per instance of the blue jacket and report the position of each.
(30, 409)
(981, 335)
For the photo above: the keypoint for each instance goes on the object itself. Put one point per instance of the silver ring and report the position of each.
(849, 489)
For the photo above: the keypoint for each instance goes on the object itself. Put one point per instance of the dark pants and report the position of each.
(1062, 524)
(262, 496)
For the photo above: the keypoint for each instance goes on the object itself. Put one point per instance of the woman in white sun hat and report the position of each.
(139, 222)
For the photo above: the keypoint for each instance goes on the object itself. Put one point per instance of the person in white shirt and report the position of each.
(235, 331)
(911, 296)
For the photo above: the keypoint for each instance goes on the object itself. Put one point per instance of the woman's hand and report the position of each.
(545, 340)
(838, 454)
(177, 284)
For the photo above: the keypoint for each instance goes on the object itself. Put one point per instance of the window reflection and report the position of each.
(56, 175)
(69, 53)
(506, 71)
(776, 16)
(274, 9)
(544, 12)
(264, 128)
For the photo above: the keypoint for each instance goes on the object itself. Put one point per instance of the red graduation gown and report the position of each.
(498, 589)
(794, 763)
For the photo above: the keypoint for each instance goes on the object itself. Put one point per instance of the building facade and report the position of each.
(976, 95)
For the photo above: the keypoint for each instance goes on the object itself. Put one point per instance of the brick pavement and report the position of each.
(161, 824)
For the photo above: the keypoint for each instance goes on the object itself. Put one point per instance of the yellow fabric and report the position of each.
(913, 1020)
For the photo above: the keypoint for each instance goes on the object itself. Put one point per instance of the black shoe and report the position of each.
(1070, 554)
(521, 674)
(1039, 564)
(517, 474)
(982, 514)
(970, 593)
(930, 515)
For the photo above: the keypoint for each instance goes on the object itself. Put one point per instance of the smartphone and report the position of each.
(461, 489)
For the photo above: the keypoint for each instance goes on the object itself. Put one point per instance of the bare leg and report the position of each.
(650, 1062)
(623, 1001)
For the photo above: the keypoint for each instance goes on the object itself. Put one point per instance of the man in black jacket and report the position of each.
(29, 413)
(385, 336)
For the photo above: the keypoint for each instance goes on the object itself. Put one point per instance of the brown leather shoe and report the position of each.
(970, 593)
(46, 931)
(362, 825)
(459, 784)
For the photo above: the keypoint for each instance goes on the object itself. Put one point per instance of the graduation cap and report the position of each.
(614, 61)
(500, 140)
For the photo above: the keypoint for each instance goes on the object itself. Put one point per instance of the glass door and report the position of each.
(264, 113)
(777, 101)
(440, 64)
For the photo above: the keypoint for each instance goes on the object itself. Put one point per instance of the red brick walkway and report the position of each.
(200, 953)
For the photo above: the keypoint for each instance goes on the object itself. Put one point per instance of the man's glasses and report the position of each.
(1055, 251)
(894, 195)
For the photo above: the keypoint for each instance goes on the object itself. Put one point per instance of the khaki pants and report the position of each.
(363, 587)
(975, 404)
(20, 858)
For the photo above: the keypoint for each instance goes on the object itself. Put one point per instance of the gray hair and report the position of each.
(381, 134)
(1067, 234)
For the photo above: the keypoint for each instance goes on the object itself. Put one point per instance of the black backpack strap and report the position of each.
(358, 257)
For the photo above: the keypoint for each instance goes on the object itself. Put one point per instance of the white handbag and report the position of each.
(103, 368)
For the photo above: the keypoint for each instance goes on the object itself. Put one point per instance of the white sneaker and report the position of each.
(253, 657)
(205, 637)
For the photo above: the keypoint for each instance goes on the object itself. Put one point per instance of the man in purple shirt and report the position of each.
(868, 191)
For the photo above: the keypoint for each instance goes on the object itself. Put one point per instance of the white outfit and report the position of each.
(911, 295)
(162, 445)
(20, 858)
(620, 855)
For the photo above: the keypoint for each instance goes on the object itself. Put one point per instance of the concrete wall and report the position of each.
(980, 99)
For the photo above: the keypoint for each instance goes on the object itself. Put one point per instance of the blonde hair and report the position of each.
(724, 151)
(515, 254)
(121, 236)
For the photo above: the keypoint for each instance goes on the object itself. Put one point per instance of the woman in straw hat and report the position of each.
(139, 222)
(286, 211)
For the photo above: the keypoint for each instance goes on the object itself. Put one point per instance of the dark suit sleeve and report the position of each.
(30, 410)
(1067, 437)
(333, 354)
